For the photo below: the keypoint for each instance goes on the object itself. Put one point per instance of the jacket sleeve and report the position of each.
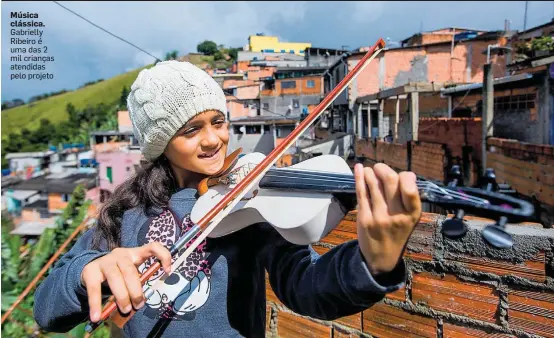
(329, 286)
(60, 300)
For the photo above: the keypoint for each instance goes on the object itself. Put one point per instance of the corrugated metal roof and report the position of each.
(29, 154)
(497, 81)
(32, 228)
(21, 194)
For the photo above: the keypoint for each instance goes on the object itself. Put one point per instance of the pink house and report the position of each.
(243, 101)
(117, 154)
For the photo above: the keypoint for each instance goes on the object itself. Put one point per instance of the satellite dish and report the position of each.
(242, 129)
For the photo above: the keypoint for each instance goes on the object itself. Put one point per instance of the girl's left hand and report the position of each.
(389, 208)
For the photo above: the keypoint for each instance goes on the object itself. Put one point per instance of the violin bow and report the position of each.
(231, 199)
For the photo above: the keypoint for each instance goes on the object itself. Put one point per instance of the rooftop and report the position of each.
(20, 195)
(111, 133)
(32, 228)
(63, 184)
(485, 36)
(420, 87)
(479, 85)
(454, 30)
(29, 154)
(265, 120)
(38, 204)
(297, 69)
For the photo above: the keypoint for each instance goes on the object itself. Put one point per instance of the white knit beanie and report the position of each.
(164, 97)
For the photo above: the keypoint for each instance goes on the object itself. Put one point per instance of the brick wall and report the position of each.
(393, 154)
(459, 135)
(528, 168)
(454, 132)
(454, 289)
(55, 202)
(366, 148)
(429, 160)
(228, 83)
(428, 63)
(301, 87)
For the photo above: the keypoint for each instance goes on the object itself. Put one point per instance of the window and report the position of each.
(288, 84)
(295, 104)
(515, 102)
(266, 128)
(109, 174)
(266, 106)
(283, 51)
(249, 129)
(310, 84)
(284, 131)
(253, 129)
(65, 197)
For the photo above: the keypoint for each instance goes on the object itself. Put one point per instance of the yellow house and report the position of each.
(271, 44)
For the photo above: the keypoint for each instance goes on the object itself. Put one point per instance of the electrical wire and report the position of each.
(92, 23)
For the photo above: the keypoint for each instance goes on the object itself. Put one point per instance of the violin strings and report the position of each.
(322, 176)
(426, 185)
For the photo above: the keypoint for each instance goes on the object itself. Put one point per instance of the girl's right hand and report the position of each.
(120, 269)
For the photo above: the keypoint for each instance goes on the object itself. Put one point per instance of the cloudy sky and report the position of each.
(84, 53)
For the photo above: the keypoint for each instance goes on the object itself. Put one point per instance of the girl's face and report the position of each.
(200, 146)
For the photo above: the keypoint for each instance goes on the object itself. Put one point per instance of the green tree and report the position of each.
(233, 53)
(207, 47)
(123, 98)
(46, 133)
(218, 56)
(21, 262)
(171, 55)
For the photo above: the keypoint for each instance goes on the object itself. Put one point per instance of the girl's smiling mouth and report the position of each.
(210, 155)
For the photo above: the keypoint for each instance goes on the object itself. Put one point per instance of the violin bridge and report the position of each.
(236, 175)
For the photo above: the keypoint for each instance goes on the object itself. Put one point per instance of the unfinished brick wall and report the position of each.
(428, 160)
(393, 154)
(528, 168)
(454, 132)
(366, 148)
(460, 288)
(462, 139)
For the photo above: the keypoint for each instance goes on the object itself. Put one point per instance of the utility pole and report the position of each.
(488, 113)
(525, 17)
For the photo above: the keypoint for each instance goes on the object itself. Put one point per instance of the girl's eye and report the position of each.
(189, 131)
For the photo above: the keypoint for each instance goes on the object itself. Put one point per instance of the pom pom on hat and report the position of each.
(164, 97)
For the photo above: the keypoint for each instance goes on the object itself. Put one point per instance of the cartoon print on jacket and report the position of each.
(188, 288)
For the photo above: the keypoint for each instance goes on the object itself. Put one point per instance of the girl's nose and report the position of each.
(210, 139)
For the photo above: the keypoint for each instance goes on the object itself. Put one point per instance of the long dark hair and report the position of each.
(150, 187)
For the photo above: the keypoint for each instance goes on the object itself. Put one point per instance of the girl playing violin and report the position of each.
(178, 114)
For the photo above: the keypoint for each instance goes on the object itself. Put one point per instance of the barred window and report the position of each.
(515, 102)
